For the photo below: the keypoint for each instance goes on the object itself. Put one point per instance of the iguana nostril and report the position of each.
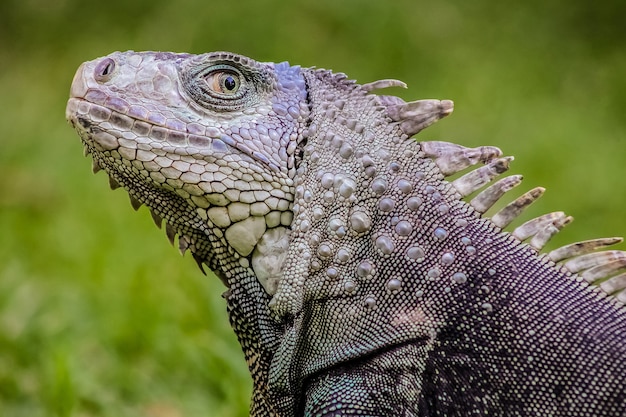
(104, 70)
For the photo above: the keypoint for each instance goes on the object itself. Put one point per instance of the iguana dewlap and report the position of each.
(360, 280)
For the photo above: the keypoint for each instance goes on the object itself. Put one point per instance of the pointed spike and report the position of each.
(452, 158)
(514, 209)
(183, 244)
(158, 220)
(113, 183)
(134, 202)
(543, 236)
(603, 271)
(614, 284)
(488, 197)
(534, 226)
(95, 166)
(582, 248)
(478, 178)
(170, 232)
(583, 262)
(380, 84)
(199, 262)
(418, 115)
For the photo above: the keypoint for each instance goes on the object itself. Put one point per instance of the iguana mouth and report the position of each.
(133, 131)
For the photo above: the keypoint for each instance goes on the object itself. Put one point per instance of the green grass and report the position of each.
(100, 317)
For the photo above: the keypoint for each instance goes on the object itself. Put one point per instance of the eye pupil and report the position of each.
(229, 83)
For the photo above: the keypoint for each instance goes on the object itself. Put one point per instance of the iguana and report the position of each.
(363, 276)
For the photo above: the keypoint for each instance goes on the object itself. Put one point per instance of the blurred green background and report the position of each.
(99, 316)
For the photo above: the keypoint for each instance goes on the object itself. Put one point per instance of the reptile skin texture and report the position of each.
(364, 277)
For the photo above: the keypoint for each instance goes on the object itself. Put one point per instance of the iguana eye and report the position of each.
(223, 82)
(221, 86)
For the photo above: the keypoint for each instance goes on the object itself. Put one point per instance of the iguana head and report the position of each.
(208, 142)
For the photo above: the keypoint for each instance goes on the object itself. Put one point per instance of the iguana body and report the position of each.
(360, 282)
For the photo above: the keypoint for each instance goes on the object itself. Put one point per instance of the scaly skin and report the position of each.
(359, 280)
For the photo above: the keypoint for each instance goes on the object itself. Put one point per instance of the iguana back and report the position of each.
(360, 280)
